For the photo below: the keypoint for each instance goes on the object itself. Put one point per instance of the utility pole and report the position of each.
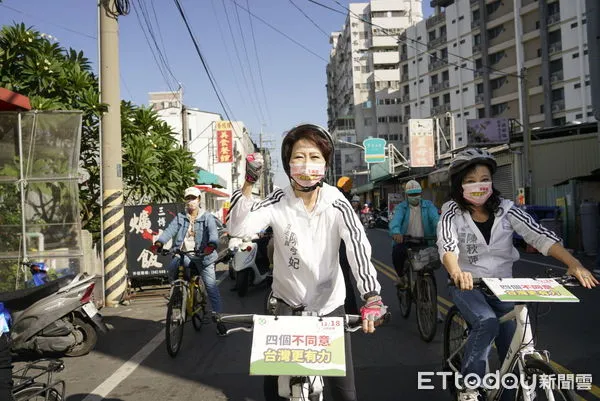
(262, 178)
(115, 268)
(184, 126)
(526, 168)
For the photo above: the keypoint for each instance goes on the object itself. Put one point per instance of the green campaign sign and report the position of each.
(374, 150)
(529, 290)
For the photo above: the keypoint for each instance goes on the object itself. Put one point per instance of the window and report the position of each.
(476, 15)
(406, 89)
(559, 121)
(554, 36)
(577, 86)
(407, 110)
(477, 39)
(479, 88)
(431, 35)
(368, 121)
(498, 109)
(462, 42)
(480, 113)
(367, 104)
(466, 113)
(558, 94)
(462, 17)
(434, 79)
(496, 57)
(575, 55)
(393, 119)
(380, 101)
(574, 25)
(495, 32)
(381, 119)
(446, 98)
(492, 7)
(497, 83)
(445, 76)
(579, 115)
(443, 31)
(435, 101)
(554, 8)
(444, 53)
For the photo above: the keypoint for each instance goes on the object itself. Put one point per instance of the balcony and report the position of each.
(475, 23)
(553, 18)
(478, 72)
(435, 19)
(437, 64)
(439, 86)
(555, 47)
(405, 98)
(556, 76)
(404, 78)
(558, 106)
(479, 98)
(476, 49)
(437, 41)
(442, 108)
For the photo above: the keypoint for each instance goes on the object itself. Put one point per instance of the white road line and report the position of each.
(128, 367)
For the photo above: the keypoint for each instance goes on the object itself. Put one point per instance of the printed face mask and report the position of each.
(192, 205)
(307, 175)
(478, 192)
(414, 200)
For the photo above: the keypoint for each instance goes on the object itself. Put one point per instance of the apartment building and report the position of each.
(363, 79)
(465, 62)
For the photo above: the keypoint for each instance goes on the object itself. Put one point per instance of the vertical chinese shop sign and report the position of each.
(224, 142)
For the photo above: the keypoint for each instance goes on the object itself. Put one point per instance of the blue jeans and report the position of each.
(481, 313)
(208, 276)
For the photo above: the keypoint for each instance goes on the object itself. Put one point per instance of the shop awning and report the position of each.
(205, 177)
(213, 191)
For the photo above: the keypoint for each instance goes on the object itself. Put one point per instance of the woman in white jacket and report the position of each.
(309, 219)
(475, 234)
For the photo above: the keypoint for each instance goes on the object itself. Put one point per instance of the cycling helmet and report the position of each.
(469, 157)
(356, 199)
(345, 183)
(290, 139)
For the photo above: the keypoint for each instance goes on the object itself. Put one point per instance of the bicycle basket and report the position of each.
(427, 258)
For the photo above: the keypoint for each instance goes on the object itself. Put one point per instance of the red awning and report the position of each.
(213, 191)
(11, 101)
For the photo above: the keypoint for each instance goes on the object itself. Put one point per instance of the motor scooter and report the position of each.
(381, 220)
(58, 316)
(249, 265)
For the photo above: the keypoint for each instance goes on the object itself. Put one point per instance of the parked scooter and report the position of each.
(381, 219)
(249, 265)
(57, 316)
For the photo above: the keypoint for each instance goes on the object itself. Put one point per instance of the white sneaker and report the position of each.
(468, 395)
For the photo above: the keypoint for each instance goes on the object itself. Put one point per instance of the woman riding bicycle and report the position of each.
(475, 240)
(309, 220)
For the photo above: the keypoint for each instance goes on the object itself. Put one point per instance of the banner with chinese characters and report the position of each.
(224, 153)
(143, 225)
(298, 346)
(421, 142)
(529, 290)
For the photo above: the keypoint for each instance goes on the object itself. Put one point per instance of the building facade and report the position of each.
(363, 81)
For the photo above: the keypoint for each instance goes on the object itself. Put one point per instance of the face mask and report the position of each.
(192, 205)
(307, 175)
(414, 200)
(478, 192)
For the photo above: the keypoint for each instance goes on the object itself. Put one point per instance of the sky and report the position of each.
(271, 77)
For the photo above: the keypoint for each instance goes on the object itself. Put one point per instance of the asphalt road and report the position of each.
(131, 363)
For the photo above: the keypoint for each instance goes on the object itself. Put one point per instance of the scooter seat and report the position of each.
(22, 299)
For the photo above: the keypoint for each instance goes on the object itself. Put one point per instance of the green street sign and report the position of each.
(374, 150)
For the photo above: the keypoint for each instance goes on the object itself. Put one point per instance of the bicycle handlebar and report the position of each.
(352, 323)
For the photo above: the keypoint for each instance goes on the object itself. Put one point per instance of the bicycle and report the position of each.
(297, 388)
(421, 262)
(195, 296)
(27, 386)
(522, 356)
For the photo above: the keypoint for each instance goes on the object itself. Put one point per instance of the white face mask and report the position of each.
(308, 174)
(477, 192)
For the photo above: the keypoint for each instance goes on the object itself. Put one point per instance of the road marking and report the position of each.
(385, 269)
(126, 369)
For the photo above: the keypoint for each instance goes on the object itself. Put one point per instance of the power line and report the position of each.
(262, 84)
(385, 30)
(310, 19)
(237, 15)
(197, 47)
(280, 32)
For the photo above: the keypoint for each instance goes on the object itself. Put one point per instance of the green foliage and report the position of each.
(155, 168)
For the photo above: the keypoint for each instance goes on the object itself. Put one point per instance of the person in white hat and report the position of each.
(201, 236)
(415, 217)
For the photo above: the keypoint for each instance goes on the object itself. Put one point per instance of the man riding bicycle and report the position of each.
(201, 236)
(415, 217)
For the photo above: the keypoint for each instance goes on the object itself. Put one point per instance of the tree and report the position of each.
(155, 167)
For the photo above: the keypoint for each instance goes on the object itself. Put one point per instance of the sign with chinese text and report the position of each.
(224, 153)
(488, 131)
(298, 346)
(374, 150)
(143, 225)
(393, 200)
(421, 142)
(529, 290)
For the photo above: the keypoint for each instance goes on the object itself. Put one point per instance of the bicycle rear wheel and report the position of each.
(37, 392)
(456, 332)
(199, 304)
(405, 295)
(539, 391)
(426, 306)
(174, 323)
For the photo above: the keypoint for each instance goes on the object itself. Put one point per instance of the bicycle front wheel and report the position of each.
(456, 333)
(37, 392)
(538, 390)
(198, 304)
(426, 306)
(174, 323)
(404, 295)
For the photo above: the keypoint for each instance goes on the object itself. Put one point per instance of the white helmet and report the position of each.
(469, 157)
(356, 198)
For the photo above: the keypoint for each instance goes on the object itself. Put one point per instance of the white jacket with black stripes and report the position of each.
(458, 233)
(306, 259)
